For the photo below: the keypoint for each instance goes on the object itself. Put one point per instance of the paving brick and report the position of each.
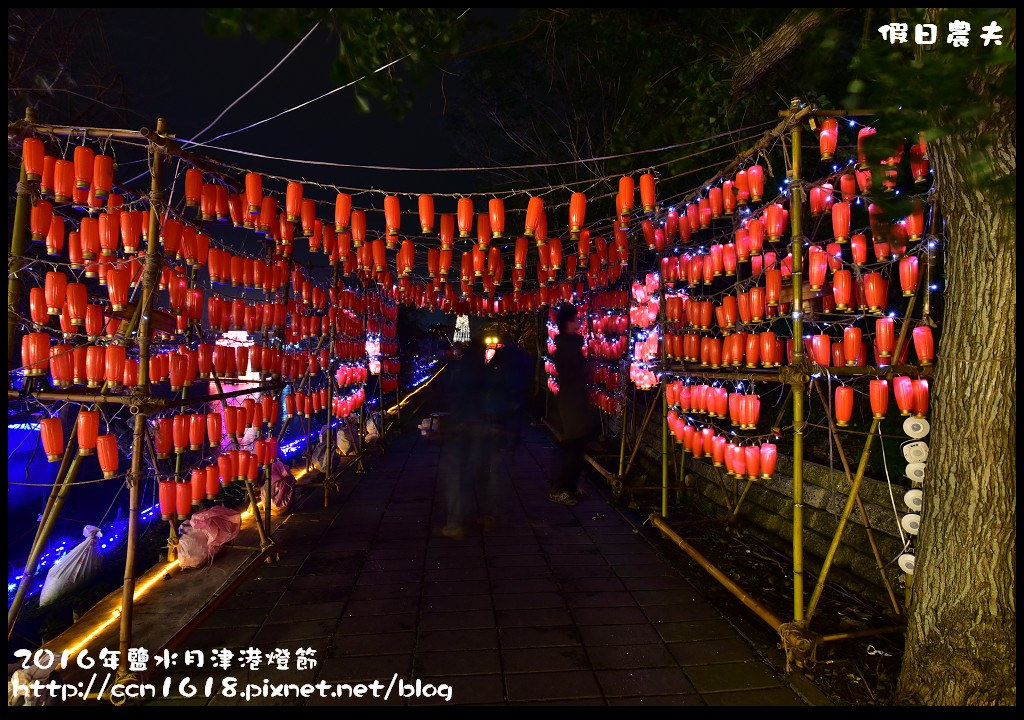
(552, 686)
(363, 625)
(377, 644)
(599, 599)
(707, 652)
(769, 696)
(620, 634)
(456, 662)
(251, 600)
(731, 676)
(519, 573)
(384, 592)
(524, 585)
(592, 584)
(658, 700)
(623, 657)
(311, 611)
(681, 612)
(607, 615)
(462, 587)
(531, 637)
(309, 629)
(476, 639)
(467, 620)
(533, 617)
(702, 630)
(388, 578)
(466, 690)
(456, 603)
(546, 659)
(373, 667)
(383, 606)
(643, 681)
(313, 595)
(523, 601)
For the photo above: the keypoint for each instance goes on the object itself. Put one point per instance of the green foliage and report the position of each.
(367, 39)
(941, 91)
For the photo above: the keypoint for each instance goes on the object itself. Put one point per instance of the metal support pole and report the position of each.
(796, 247)
(22, 210)
(149, 285)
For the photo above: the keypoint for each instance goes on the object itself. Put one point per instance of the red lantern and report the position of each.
(920, 398)
(88, 429)
(114, 360)
(842, 288)
(828, 137)
(924, 345)
(841, 221)
(876, 291)
(879, 394)
(358, 220)
(53, 438)
(903, 388)
(919, 162)
(32, 153)
(757, 299)
(534, 212)
(908, 275)
(55, 291)
(83, 167)
(853, 345)
(106, 448)
(821, 349)
(647, 192)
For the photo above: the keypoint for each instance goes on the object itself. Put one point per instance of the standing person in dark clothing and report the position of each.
(573, 410)
(467, 402)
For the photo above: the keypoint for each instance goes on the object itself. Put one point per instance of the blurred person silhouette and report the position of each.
(469, 403)
(571, 403)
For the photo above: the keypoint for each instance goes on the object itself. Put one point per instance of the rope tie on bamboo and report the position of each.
(25, 188)
(799, 644)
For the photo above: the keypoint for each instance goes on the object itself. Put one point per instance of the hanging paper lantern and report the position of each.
(862, 136)
(817, 265)
(876, 291)
(908, 275)
(920, 398)
(853, 345)
(919, 162)
(903, 388)
(293, 201)
(52, 434)
(841, 221)
(828, 137)
(924, 345)
(842, 288)
(102, 175)
(254, 192)
(821, 349)
(106, 449)
(878, 391)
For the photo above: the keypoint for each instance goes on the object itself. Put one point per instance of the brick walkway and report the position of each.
(556, 606)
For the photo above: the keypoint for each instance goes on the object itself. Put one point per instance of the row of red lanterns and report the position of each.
(911, 399)
(744, 410)
(609, 403)
(750, 461)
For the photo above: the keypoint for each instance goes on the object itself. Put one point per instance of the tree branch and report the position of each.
(780, 45)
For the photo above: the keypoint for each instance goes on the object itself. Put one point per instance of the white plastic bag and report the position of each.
(282, 486)
(74, 568)
(193, 547)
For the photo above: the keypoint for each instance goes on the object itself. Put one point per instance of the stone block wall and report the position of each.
(767, 512)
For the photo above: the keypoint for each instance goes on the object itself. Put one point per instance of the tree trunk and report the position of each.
(961, 639)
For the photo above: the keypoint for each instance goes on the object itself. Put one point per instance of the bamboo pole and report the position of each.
(21, 220)
(622, 435)
(862, 633)
(855, 486)
(664, 406)
(42, 535)
(728, 583)
(796, 247)
(680, 370)
(736, 510)
(640, 436)
(926, 308)
(149, 284)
